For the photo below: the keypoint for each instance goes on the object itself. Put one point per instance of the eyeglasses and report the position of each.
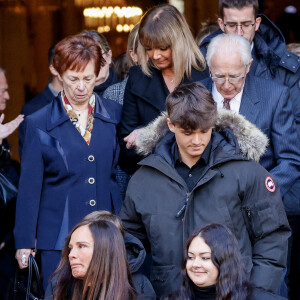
(232, 80)
(232, 27)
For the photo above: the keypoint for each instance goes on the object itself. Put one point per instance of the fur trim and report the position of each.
(252, 141)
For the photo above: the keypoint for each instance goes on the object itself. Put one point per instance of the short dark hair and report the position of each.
(239, 4)
(191, 106)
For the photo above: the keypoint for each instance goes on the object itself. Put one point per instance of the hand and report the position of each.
(2, 245)
(10, 127)
(23, 254)
(130, 139)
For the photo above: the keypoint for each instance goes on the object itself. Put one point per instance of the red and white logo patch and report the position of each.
(270, 184)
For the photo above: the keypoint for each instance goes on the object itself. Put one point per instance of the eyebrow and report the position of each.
(77, 243)
(199, 253)
(235, 74)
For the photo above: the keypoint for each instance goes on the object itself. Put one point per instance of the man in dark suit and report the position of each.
(46, 96)
(263, 102)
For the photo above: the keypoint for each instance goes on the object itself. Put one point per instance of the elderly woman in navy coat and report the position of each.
(70, 152)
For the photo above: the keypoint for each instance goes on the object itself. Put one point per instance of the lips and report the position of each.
(73, 266)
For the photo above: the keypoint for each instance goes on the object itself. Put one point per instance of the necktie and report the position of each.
(226, 104)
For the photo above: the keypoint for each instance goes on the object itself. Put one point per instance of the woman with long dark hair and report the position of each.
(213, 269)
(94, 264)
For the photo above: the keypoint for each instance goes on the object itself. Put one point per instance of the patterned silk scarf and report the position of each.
(86, 133)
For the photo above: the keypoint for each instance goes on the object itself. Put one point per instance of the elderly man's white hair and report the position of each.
(226, 44)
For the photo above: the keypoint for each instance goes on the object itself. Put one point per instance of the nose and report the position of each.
(239, 30)
(197, 262)
(226, 84)
(6, 95)
(72, 253)
(81, 85)
(196, 139)
(156, 54)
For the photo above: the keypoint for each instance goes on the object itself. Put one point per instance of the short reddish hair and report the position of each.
(75, 52)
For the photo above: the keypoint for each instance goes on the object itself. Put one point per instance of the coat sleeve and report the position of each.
(130, 121)
(285, 142)
(30, 186)
(132, 219)
(267, 227)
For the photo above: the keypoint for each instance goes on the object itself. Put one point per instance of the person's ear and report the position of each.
(170, 125)
(53, 70)
(221, 24)
(249, 65)
(257, 23)
(108, 57)
(59, 77)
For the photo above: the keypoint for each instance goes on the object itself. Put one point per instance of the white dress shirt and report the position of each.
(234, 103)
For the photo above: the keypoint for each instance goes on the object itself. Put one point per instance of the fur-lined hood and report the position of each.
(252, 141)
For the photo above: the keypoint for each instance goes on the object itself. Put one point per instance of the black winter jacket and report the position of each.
(161, 212)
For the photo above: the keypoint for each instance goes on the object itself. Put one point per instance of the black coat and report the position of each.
(144, 100)
(111, 79)
(160, 210)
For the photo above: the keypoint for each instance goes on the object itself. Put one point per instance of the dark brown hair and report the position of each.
(191, 106)
(232, 282)
(75, 52)
(104, 215)
(108, 276)
(239, 4)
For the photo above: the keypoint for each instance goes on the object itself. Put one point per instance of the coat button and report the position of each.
(293, 67)
(91, 180)
(288, 55)
(92, 202)
(91, 158)
(283, 62)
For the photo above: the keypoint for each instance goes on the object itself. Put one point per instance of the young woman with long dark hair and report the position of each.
(213, 269)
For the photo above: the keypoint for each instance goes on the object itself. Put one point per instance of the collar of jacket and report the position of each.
(148, 88)
(251, 141)
(58, 115)
(224, 148)
(111, 79)
(270, 44)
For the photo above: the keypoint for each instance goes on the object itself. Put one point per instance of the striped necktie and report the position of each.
(226, 104)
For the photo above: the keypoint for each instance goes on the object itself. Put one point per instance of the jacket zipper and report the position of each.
(182, 209)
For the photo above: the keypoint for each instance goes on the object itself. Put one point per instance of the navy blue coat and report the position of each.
(266, 104)
(38, 102)
(144, 100)
(59, 167)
